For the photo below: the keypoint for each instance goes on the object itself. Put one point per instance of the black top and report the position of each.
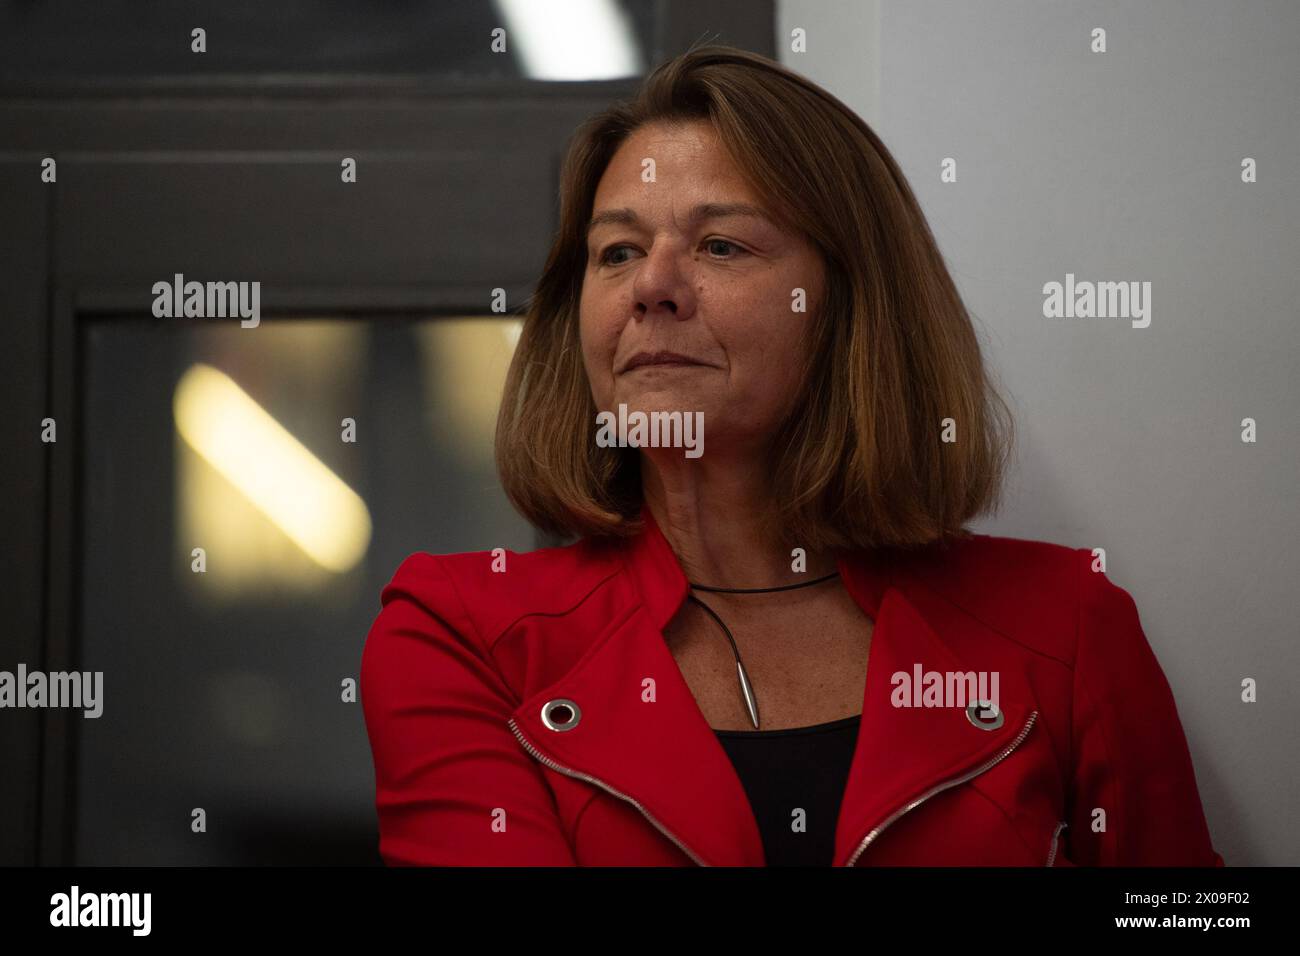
(800, 767)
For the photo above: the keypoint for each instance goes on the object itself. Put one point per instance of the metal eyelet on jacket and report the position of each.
(561, 714)
(984, 715)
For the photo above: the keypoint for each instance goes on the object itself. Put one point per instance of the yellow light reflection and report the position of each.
(271, 468)
(465, 360)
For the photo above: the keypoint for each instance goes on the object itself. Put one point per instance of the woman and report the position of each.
(778, 646)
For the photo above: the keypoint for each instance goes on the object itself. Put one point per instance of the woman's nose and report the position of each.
(663, 283)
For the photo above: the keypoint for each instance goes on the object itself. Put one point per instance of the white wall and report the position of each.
(1121, 166)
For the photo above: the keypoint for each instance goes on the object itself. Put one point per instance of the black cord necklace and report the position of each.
(747, 689)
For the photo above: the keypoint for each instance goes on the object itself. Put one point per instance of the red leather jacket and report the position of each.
(472, 767)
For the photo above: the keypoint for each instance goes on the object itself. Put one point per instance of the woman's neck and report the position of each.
(715, 520)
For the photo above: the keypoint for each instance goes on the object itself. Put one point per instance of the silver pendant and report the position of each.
(748, 691)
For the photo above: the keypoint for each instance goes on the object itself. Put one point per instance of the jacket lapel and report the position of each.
(664, 758)
(905, 754)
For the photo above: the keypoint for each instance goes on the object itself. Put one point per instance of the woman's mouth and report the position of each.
(661, 360)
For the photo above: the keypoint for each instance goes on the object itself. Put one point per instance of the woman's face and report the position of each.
(673, 266)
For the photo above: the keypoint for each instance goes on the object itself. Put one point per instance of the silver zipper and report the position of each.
(600, 783)
(1051, 855)
(947, 784)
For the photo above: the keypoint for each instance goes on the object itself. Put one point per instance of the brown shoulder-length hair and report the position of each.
(899, 437)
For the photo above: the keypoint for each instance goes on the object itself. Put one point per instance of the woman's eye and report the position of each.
(719, 248)
(728, 245)
(606, 257)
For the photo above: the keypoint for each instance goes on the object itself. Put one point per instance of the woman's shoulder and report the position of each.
(994, 562)
(1042, 594)
(492, 588)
